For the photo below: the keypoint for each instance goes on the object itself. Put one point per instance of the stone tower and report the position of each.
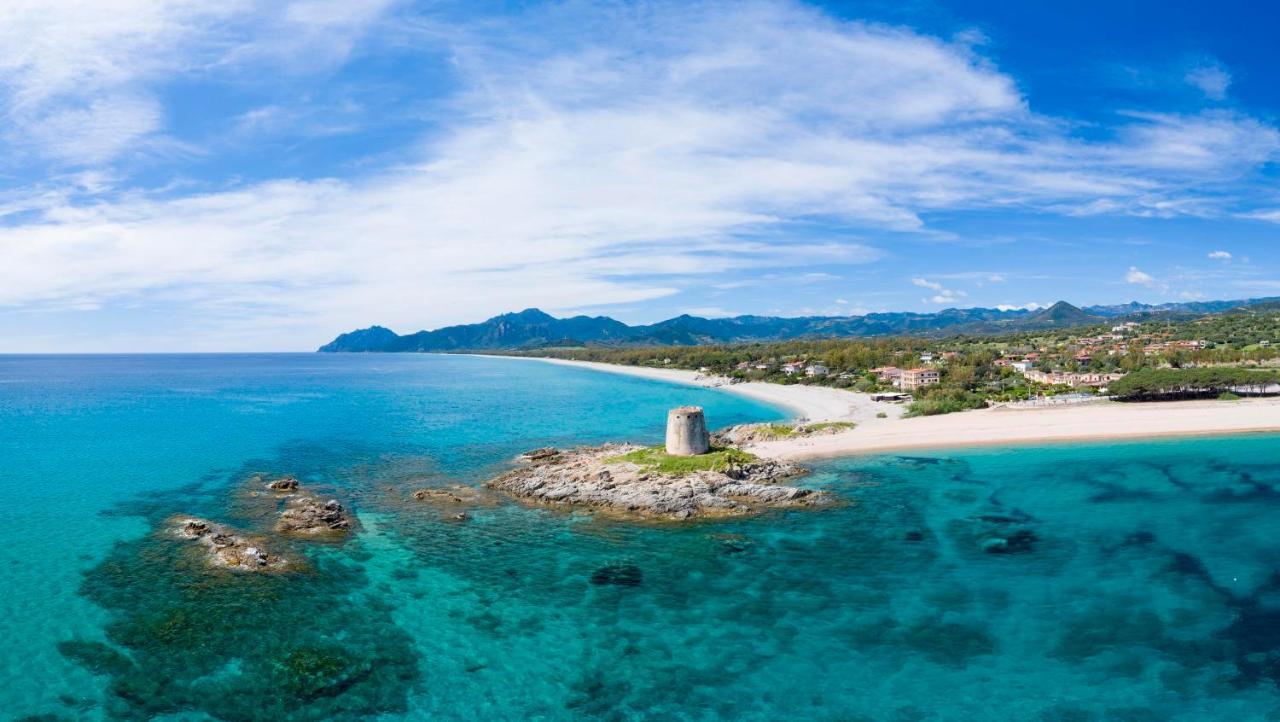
(687, 432)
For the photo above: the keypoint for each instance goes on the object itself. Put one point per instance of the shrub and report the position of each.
(946, 402)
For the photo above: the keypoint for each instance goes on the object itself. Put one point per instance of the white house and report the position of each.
(816, 370)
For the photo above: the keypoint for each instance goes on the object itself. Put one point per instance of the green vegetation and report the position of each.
(780, 430)
(946, 401)
(1147, 384)
(1228, 396)
(656, 459)
(825, 425)
(881, 415)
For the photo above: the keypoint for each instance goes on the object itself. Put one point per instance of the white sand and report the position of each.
(1089, 422)
(810, 403)
(986, 427)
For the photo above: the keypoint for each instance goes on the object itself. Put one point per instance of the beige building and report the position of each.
(913, 379)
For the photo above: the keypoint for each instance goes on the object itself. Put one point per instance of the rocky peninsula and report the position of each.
(640, 481)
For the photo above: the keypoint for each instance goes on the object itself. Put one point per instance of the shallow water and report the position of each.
(1126, 581)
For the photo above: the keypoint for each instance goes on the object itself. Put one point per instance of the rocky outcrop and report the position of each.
(747, 434)
(226, 547)
(596, 478)
(307, 515)
(285, 483)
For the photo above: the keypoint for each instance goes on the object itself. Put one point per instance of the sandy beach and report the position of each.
(987, 427)
(808, 403)
(1002, 426)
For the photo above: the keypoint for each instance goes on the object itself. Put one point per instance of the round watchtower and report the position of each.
(687, 432)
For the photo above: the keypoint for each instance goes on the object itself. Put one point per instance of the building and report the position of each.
(1063, 378)
(1022, 366)
(890, 374)
(913, 379)
(926, 358)
(792, 368)
(816, 370)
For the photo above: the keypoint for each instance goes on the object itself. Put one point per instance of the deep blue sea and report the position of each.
(1131, 581)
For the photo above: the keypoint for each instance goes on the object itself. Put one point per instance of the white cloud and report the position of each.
(1212, 80)
(943, 295)
(1138, 278)
(1220, 255)
(1024, 307)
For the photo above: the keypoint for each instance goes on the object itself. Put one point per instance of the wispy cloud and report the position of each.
(1220, 255)
(1211, 79)
(78, 79)
(943, 295)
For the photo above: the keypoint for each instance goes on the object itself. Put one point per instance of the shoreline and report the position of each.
(1103, 421)
(805, 403)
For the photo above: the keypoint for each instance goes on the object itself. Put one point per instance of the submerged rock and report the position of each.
(453, 495)
(226, 547)
(599, 478)
(1020, 541)
(618, 574)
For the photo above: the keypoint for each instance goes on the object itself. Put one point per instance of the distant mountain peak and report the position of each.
(1063, 312)
(534, 328)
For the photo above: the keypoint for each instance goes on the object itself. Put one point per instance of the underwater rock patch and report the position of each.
(1019, 542)
(618, 574)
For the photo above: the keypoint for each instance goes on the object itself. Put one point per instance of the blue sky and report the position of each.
(250, 175)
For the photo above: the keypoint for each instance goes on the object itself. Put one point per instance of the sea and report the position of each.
(1117, 581)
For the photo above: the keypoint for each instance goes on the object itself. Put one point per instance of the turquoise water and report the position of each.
(1105, 582)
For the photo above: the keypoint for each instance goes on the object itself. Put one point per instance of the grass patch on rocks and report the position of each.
(656, 459)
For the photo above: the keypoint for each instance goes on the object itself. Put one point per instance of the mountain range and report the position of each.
(533, 328)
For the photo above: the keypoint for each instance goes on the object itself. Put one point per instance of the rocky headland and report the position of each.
(644, 482)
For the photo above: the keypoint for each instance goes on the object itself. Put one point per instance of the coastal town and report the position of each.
(941, 375)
